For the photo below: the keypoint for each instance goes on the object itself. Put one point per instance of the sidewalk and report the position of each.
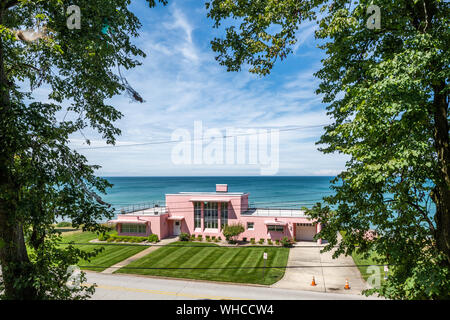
(139, 255)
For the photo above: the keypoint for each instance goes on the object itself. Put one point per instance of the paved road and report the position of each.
(128, 287)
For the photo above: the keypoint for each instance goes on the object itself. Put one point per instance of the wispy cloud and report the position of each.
(182, 82)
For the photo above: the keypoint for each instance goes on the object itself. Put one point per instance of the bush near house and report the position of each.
(122, 238)
(192, 237)
(252, 241)
(199, 237)
(261, 241)
(269, 241)
(103, 237)
(153, 238)
(277, 242)
(128, 238)
(208, 238)
(219, 238)
(64, 224)
(232, 231)
(286, 242)
(184, 237)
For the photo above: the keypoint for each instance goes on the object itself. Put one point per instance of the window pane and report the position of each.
(133, 228)
(224, 214)
(211, 215)
(197, 215)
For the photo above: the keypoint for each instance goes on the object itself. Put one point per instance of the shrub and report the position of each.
(216, 240)
(103, 236)
(110, 239)
(63, 224)
(286, 242)
(232, 231)
(199, 237)
(153, 238)
(277, 242)
(213, 238)
(184, 236)
(219, 238)
(252, 240)
(261, 241)
(269, 241)
(208, 238)
(193, 237)
(244, 239)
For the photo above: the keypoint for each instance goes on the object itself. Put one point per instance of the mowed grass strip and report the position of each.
(237, 263)
(362, 264)
(111, 254)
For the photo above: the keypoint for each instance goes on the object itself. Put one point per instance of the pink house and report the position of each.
(206, 213)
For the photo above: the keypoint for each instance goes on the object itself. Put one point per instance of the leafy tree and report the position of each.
(232, 231)
(41, 178)
(387, 93)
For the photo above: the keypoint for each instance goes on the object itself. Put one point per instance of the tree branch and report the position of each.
(9, 3)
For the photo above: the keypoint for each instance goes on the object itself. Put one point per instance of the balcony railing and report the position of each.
(140, 206)
(274, 212)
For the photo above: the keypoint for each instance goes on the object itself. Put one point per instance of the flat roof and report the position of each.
(156, 211)
(208, 193)
(274, 212)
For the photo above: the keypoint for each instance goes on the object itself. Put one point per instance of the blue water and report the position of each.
(274, 191)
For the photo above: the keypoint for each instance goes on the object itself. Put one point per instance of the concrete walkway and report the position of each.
(330, 274)
(139, 255)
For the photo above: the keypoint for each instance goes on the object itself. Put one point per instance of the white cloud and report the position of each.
(181, 83)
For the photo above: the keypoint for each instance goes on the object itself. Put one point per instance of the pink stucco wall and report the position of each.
(182, 205)
(153, 225)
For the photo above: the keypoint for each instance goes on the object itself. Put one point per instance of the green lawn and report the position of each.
(362, 262)
(206, 255)
(111, 255)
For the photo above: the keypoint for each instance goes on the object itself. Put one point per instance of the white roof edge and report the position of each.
(207, 193)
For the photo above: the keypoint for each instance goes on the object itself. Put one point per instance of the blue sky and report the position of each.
(181, 82)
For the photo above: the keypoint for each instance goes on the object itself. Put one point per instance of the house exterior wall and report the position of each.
(153, 225)
(181, 206)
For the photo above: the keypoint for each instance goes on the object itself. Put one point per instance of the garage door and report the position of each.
(305, 231)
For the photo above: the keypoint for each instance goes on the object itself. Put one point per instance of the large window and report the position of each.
(133, 228)
(275, 228)
(223, 214)
(197, 214)
(211, 215)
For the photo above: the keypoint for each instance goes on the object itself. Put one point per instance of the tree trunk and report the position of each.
(441, 193)
(13, 254)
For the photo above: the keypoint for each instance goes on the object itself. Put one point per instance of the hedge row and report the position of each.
(116, 238)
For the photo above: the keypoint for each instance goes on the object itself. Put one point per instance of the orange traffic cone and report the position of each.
(313, 283)
(346, 285)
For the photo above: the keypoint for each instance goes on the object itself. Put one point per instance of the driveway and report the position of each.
(330, 274)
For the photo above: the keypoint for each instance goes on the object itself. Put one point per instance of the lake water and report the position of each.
(273, 191)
